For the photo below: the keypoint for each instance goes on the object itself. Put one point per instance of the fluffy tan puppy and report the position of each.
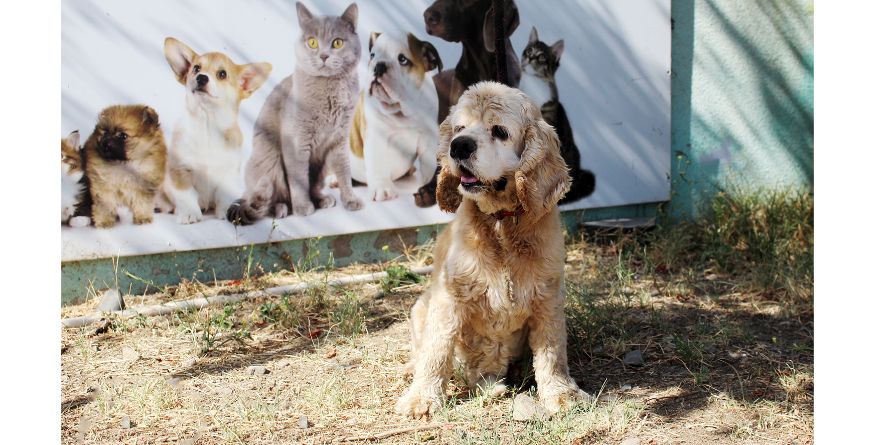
(498, 267)
(125, 163)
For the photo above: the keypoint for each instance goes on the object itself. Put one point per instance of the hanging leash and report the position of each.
(501, 60)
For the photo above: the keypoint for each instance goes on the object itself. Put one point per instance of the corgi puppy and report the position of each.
(73, 185)
(205, 156)
(125, 159)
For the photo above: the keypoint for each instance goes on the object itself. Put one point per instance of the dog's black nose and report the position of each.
(432, 17)
(462, 147)
(202, 79)
(380, 69)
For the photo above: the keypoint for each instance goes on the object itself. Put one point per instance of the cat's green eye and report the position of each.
(313, 43)
(338, 43)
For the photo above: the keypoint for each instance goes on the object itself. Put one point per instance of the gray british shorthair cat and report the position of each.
(301, 134)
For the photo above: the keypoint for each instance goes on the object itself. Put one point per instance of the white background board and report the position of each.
(613, 80)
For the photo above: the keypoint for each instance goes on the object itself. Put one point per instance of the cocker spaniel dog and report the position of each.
(498, 267)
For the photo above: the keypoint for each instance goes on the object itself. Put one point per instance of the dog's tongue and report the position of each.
(468, 179)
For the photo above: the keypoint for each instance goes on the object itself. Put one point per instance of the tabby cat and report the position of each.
(538, 65)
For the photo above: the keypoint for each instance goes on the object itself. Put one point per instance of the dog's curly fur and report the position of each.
(496, 282)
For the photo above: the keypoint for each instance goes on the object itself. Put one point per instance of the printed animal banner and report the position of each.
(203, 124)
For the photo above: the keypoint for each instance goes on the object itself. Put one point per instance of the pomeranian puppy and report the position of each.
(206, 156)
(125, 159)
(73, 186)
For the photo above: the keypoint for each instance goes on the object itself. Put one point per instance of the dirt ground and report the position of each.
(723, 362)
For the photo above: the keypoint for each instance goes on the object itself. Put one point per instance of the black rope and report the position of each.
(501, 60)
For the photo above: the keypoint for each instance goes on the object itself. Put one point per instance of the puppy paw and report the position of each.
(79, 221)
(417, 404)
(382, 191)
(353, 203)
(188, 217)
(143, 219)
(325, 202)
(564, 400)
(303, 209)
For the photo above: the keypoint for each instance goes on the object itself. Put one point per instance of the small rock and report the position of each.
(111, 301)
(257, 370)
(303, 422)
(626, 387)
(130, 355)
(634, 358)
(126, 423)
(173, 382)
(331, 353)
(188, 362)
(526, 408)
(630, 441)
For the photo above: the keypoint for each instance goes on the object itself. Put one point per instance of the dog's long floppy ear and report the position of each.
(430, 58)
(252, 77)
(511, 21)
(542, 178)
(448, 196)
(180, 58)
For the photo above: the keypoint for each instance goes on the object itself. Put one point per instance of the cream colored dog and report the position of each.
(498, 267)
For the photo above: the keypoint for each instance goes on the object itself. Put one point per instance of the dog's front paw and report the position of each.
(382, 191)
(564, 399)
(353, 203)
(188, 216)
(417, 404)
(79, 221)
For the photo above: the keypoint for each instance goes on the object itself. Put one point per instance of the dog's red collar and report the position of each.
(502, 214)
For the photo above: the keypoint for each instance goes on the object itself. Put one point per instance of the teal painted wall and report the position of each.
(741, 98)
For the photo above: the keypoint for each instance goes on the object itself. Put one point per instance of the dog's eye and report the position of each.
(196, 69)
(124, 136)
(338, 43)
(222, 74)
(403, 60)
(500, 132)
(458, 128)
(313, 43)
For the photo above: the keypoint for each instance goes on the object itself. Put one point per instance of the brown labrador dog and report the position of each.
(469, 22)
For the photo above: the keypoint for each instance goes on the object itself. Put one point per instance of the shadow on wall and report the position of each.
(742, 99)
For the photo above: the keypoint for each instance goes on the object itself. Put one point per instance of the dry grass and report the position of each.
(728, 356)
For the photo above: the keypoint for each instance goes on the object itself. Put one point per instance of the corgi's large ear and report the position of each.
(252, 77)
(350, 16)
(304, 15)
(542, 177)
(180, 58)
(448, 197)
(73, 139)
